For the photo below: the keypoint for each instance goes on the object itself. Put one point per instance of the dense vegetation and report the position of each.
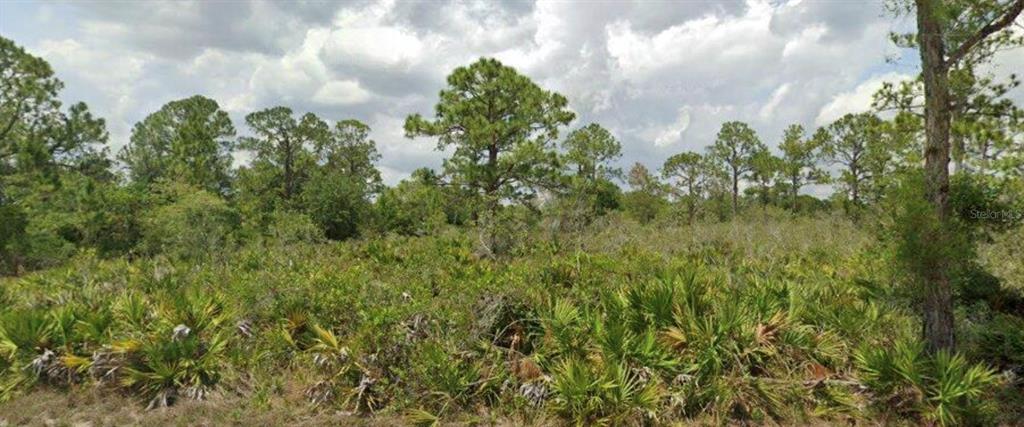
(520, 283)
(739, 321)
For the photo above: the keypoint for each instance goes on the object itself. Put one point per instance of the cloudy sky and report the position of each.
(661, 75)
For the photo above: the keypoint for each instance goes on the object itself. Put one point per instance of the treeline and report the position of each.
(173, 188)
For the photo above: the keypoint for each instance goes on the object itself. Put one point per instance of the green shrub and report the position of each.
(944, 388)
(643, 206)
(289, 227)
(192, 225)
(339, 204)
(972, 283)
(594, 395)
(412, 208)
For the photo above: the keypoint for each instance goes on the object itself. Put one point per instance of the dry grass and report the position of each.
(92, 408)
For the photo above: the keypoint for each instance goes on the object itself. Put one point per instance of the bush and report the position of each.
(972, 283)
(339, 204)
(288, 227)
(643, 206)
(193, 224)
(944, 389)
(412, 208)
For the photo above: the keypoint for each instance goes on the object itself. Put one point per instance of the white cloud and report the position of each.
(341, 92)
(857, 100)
(769, 108)
(103, 68)
(673, 133)
(719, 42)
(108, 80)
(374, 47)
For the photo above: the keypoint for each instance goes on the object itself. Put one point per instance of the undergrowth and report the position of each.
(783, 322)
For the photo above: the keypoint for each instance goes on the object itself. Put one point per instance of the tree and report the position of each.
(734, 149)
(283, 145)
(338, 203)
(51, 160)
(188, 223)
(641, 179)
(799, 165)
(36, 135)
(501, 126)
(764, 169)
(188, 140)
(589, 149)
(982, 115)
(351, 152)
(691, 173)
(646, 200)
(338, 194)
(28, 97)
(990, 144)
(948, 33)
(853, 142)
(589, 190)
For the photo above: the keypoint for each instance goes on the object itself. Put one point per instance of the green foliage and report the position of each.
(687, 324)
(855, 142)
(38, 137)
(972, 283)
(733, 151)
(288, 227)
(944, 389)
(304, 165)
(767, 319)
(44, 148)
(350, 152)
(922, 240)
(189, 141)
(191, 224)
(12, 232)
(609, 396)
(799, 164)
(502, 127)
(642, 206)
(589, 149)
(694, 175)
(980, 204)
(765, 168)
(339, 204)
(588, 191)
(283, 148)
(412, 208)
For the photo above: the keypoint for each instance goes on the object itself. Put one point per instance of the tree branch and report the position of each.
(1004, 21)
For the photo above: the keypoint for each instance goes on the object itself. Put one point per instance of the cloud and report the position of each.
(373, 47)
(857, 100)
(341, 92)
(662, 76)
(673, 133)
(769, 108)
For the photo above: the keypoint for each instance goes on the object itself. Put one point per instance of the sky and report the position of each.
(662, 76)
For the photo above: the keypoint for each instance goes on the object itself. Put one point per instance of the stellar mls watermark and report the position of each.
(997, 215)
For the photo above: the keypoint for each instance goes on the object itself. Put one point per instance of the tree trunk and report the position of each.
(796, 194)
(692, 202)
(938, 302)
(287, 170)
(735, 193)
(492, 173)
(855, 189)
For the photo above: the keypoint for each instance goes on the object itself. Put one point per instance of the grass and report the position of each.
(775, 320)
